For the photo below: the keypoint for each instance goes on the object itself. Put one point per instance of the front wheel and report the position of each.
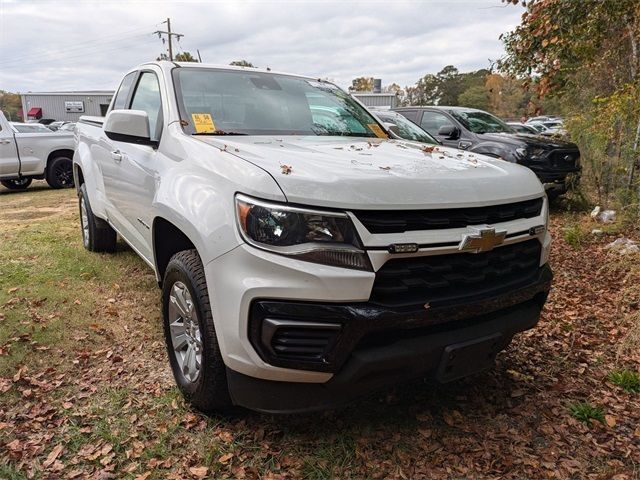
(17, 184)
(192, 344)
(60, 173)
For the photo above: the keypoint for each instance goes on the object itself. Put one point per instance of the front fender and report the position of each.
(202, 206)
(92, 178)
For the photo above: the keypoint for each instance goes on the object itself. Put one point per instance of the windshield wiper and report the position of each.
(219, 132)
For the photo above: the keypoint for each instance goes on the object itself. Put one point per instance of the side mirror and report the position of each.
(392, 127)
(450, 131)
(130, 126)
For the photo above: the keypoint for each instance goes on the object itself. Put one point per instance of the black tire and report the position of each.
(208, 392)
(97, 235)
(60, 173)
(17, 184)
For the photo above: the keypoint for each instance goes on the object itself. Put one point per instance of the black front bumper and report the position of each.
(374, 347)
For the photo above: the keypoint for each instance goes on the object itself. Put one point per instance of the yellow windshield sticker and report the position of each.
(375, 128)
(203, 123)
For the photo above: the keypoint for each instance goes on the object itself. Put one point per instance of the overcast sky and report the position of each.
(88, 44)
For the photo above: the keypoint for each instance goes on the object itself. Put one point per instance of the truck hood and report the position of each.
(357, 173)
(523, 139)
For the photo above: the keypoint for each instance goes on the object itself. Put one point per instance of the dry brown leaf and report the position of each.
(611, 420)
(52, 456)
(286, 169)
(200, 472)
(225, 458)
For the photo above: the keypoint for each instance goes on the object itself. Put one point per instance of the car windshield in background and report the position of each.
(406, 128)
(224, 102)
(481, 122)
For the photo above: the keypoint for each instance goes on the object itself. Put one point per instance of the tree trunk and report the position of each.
(634, 156)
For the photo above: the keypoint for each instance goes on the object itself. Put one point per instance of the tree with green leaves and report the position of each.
(587, 55)
(361, 84)
(185, 57)
(475, 97)
(242, 63)
(10, 104)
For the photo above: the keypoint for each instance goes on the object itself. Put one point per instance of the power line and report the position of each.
(82, 55)
(65, 54)
(170, 36)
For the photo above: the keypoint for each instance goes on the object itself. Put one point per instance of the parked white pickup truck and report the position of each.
(306, 259)
(36, 155)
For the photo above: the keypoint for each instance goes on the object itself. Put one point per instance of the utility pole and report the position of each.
(169, 35)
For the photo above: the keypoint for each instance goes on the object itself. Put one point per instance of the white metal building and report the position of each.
(65, 105)
(379, 100)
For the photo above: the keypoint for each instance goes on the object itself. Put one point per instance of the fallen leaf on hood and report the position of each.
(428, 148)
(384, 168)
(286, 169)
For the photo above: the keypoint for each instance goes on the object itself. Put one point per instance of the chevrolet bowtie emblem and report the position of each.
(481, 239)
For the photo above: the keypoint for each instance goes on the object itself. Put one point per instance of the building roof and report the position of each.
(371, 94)
(72, 92)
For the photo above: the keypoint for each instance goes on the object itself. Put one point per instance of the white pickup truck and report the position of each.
(305, 258)
(28, 156)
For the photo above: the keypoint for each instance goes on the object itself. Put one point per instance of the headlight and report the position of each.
(312, 235)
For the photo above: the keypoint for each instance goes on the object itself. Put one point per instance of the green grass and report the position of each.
(629, 380)
(574, 236)
(585, 412)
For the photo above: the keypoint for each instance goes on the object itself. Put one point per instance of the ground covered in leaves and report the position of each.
(85, 389)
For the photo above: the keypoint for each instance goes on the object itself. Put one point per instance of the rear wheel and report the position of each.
(190, 335)
(60, 173)
(97, 235)
(17, 184)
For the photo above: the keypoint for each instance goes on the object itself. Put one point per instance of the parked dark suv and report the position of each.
(555, 162)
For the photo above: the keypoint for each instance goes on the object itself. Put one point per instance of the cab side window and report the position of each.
(147, 98)
(432, 121)
(123, 92)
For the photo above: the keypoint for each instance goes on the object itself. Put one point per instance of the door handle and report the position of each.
(116, 155)
(5, 141)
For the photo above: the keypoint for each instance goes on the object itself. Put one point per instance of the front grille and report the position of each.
(394, 221)
(455, 278)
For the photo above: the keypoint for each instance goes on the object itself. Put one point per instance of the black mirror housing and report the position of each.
(451, 132)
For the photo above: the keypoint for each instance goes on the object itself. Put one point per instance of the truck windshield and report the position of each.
(227, 102)
(481, 122)
(406, 128)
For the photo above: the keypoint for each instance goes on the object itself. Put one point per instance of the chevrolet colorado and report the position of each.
(305, 258)
(28, 156)
(555, 162)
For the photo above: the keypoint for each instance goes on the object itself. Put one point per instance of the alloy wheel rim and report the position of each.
(64, 173)
(184, 328)
(84, 219)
